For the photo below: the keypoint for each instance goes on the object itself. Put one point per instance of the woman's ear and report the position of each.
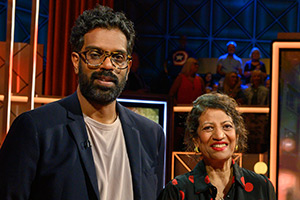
(75, 60)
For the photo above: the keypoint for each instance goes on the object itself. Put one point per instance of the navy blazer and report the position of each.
(46, 155)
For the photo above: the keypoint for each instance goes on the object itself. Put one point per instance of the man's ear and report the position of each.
(75, 60)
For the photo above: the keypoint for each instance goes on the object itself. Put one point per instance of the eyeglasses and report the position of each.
(95, 57)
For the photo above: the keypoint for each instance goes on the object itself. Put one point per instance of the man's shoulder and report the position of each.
(222, 57)
(53, 111)
(237, 58)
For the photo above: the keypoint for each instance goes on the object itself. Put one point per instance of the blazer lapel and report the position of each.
(133, 146)
(79, 133)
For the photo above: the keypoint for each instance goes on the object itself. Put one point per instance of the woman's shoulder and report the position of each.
(181, 181)
(251, 176)
(177, 188)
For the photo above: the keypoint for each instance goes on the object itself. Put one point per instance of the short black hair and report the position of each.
(101, 17)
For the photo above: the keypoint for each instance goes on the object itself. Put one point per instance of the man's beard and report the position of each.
(98, 93)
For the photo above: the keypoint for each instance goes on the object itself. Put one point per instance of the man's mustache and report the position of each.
(106, 73)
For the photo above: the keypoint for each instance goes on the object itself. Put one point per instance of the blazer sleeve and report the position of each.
(18, 159)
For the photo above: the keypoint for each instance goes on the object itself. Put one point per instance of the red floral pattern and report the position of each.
(174, 182)
(207, 181)
(181, 194)
(191, 178)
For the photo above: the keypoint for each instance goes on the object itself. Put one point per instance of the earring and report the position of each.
(196, 149)
(236, 147)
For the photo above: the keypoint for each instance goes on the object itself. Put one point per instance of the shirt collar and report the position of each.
(202, 182)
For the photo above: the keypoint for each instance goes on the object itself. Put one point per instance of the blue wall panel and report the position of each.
(208, 25)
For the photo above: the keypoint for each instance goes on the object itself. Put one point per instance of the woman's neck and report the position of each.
(220, 175)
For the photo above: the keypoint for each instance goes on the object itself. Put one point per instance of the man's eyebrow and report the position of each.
(93, 47)
(99, 49)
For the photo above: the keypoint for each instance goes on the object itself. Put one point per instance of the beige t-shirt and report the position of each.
(111, 159)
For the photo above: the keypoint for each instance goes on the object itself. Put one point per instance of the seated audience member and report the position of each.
(217, 130)
(208, 80)
(188, 85)
(254, 64)
(208, 89)
(232, 87)
(257, 93)
(229, 62)
(215, 87)
(268, 83)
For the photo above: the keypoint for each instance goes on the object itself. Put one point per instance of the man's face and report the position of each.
(105, 84)
(231, 49)
(256, 78)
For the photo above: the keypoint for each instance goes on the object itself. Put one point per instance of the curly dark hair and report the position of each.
(101, 17)
(216, 101)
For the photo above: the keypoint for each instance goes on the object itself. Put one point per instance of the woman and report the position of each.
(216, 129)
(257, 93)
(188, 85)
(232, 87)
(254, 64)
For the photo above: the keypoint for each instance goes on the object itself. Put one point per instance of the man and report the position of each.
(87, 146)
(229, 62)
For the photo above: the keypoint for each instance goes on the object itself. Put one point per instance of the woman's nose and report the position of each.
(219, 134)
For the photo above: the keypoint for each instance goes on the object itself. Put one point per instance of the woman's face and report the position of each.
(208, 77)
(255, 55)
(233, 79)
(217, 135)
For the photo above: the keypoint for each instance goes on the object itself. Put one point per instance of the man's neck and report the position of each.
(105, 114)
(230, 55)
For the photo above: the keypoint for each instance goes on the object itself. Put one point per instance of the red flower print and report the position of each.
(191, 178)
(181, 194)
(233, 179)
(207, 181)
(249, 187)
(243, 180)
(174, 182)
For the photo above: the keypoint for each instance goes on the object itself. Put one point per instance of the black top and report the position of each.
(196, 185)
(249, 67)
